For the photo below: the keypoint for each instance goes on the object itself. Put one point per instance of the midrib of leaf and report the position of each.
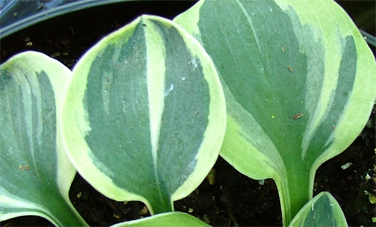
(266, 97)
(156, 87)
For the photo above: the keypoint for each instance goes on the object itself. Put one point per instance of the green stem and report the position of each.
(162, 207)
(295, 190)
(160, 201)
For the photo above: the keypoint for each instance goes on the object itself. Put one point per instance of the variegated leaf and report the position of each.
(299, 82)
(144, 118)
(35, 173)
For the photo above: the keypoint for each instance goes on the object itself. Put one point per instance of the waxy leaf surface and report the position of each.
(145, 117)
(35, 173)
(299, 82)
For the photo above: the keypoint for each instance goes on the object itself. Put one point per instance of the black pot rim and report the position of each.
(54, 12)
(81, 5)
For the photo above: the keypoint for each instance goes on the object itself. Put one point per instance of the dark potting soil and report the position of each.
(233, 199)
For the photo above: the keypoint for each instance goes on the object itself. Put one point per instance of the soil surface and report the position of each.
(231, 199)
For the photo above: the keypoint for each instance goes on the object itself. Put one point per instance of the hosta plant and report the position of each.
(142, 116)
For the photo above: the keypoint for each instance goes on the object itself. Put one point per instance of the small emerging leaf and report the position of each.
(322, 210)
(171, 219)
